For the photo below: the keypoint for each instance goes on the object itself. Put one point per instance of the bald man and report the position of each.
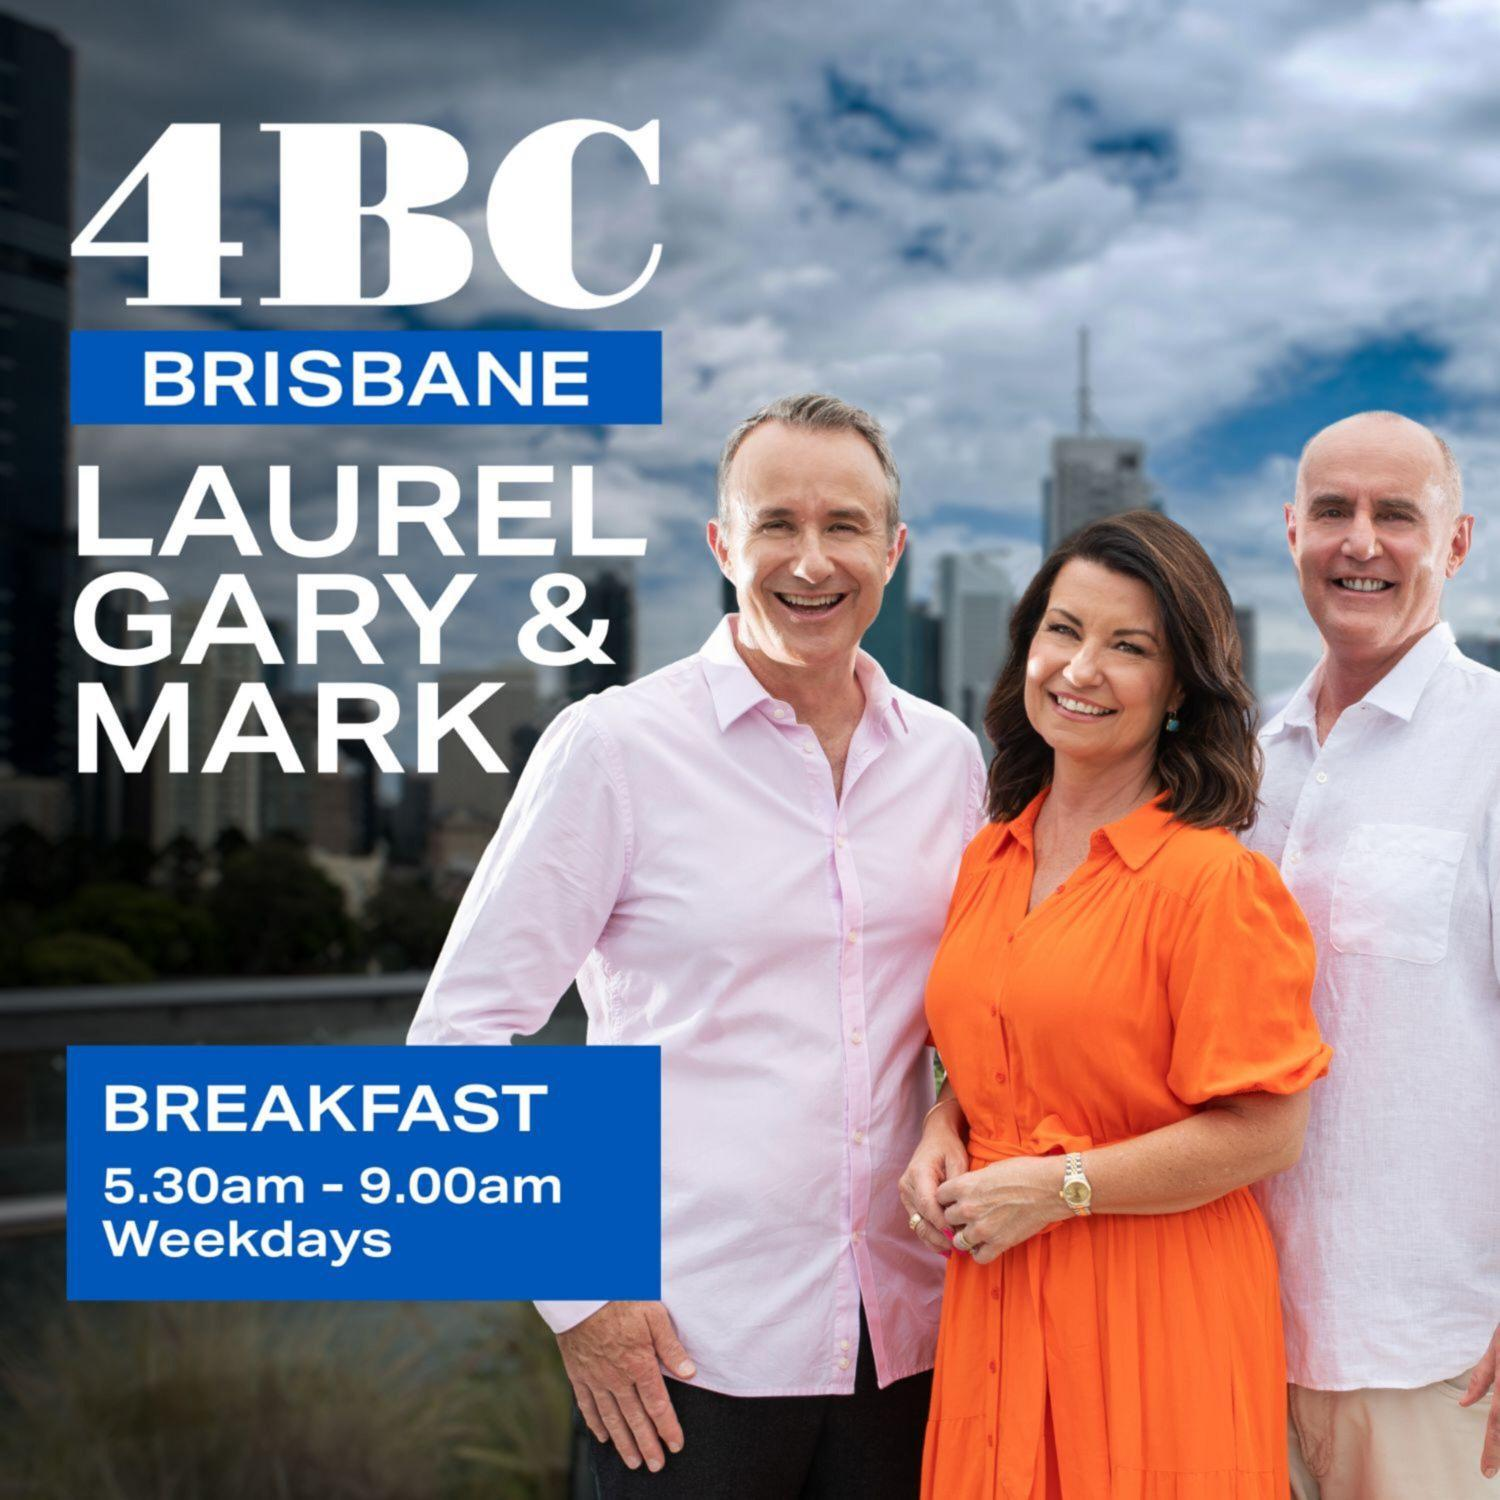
(1381, 805)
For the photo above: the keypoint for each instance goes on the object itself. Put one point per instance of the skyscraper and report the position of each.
(611, 597)
(462, 785)
(976, 597)
(925, 651)
(1092, 476)
(1244, 622)
(188, 801)
(1481, 648)
(36, 545)
(888, 639)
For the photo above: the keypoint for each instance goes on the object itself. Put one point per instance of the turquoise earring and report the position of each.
(1173, 723)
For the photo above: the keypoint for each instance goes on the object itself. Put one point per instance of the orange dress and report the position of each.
(1118, 1356)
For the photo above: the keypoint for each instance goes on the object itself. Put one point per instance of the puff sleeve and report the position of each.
(1239, 987)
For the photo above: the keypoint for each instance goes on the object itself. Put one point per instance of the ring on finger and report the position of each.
(961, 1242)
(912, 1222)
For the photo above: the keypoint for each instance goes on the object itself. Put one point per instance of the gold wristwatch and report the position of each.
(1076, 1192)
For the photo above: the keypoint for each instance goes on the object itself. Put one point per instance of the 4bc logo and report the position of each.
(529, 216)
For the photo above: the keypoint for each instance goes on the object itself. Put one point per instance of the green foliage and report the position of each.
(73, 957)
(277, 913)
(164, 934)
(405, 923)
(244, 1401)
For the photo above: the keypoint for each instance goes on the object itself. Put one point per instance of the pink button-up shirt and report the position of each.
(677, 845)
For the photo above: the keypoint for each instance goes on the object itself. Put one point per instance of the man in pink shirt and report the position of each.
(746, 858)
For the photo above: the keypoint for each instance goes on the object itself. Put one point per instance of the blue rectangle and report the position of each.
(468, 1213)
(620, 370)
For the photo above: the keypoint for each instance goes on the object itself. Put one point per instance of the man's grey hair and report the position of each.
(813, 412)
(1452, 479)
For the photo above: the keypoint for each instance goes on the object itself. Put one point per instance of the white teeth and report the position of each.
(1077, 706)
(1363, 585)
(810, 601)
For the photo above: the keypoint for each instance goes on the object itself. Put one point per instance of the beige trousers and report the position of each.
(1388, 1445)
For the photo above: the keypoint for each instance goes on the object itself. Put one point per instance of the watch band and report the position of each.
(1076, 1191)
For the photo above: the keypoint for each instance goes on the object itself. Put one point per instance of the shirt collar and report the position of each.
(1135, 837)
(1397, 692)
(735, 689)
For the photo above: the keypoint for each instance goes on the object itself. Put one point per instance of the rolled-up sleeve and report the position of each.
(540, 897)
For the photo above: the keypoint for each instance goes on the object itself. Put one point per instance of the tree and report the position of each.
(166, 935)
(405, 923)
(80, 958)
(277, 913)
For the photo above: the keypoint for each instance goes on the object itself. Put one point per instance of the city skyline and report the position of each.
(1028, 172)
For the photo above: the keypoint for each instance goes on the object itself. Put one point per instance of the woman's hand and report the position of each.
(1005, 1203)
(941, 1155)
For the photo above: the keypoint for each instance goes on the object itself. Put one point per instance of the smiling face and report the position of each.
(806, 542)
(1374, 534)
(1099, 674)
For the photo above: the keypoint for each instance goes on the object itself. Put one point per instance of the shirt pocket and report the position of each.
(1393, 893)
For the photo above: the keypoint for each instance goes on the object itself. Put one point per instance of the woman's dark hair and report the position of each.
(1209, 768)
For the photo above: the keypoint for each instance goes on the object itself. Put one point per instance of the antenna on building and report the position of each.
(1085, 395)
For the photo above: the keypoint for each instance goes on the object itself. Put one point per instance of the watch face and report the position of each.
(1076, 1194)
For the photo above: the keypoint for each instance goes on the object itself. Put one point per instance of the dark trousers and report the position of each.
(867, 1446)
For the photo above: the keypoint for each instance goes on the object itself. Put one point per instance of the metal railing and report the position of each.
(45, 1213)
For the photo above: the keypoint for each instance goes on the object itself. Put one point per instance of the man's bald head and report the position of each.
(1391, 430)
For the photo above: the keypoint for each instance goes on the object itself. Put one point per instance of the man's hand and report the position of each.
(1487, 1374)
(614, 1360)
(940, 1154)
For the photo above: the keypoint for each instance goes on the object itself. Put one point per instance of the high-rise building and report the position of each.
(332, 811)
(36, 544)
(1481, 648)
(976, 598)
(462, 785)
(1244, 622)
(611, 597)
(888, 639)
(925, 651)
(189, 802)
(1092, 476)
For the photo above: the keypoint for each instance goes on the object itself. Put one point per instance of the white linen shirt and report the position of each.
(676, 844)
(1388, 1228)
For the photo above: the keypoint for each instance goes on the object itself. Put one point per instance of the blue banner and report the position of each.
(162, 377)
(342, 1173)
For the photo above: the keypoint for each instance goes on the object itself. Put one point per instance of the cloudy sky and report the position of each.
(1268, 216)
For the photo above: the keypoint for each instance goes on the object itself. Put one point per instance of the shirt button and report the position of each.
(844, 1345)
(841, 841)
(1322, 776)
(859, 1137)
(858, 1235)
(995, 1293)
(993, 1367)
(853, 934)
(999, 1077)
(994, 1011)
(856, 1037)
(1010, 940)
(844, 1364)
(779, 712)
(1296, 856)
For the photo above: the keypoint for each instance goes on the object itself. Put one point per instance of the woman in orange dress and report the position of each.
(1121, 1000)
